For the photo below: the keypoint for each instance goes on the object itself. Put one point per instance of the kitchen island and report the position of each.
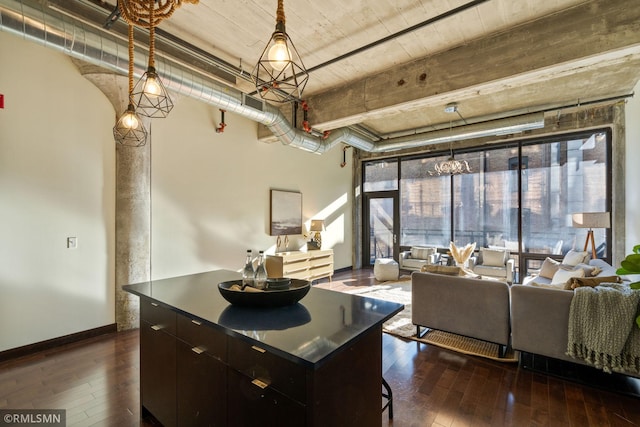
(204, 361)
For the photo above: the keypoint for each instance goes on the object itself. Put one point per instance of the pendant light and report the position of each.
(129, 129)
(280, 75)
(152, 98)
(451, 166)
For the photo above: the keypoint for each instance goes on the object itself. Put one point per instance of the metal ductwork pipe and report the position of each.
(34, 21)
(477, 130)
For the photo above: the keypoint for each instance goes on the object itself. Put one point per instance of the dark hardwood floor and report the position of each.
(97, 382)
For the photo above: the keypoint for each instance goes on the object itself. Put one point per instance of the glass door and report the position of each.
(381, 226)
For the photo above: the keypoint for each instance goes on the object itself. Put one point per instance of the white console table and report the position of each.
(308, 265)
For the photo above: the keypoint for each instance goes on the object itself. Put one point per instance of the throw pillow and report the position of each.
(494, 257)
(578, 282)
(418, 252)
(574, 258)
(562, 276)
(442, 269)
(589, 270)
(549, 268)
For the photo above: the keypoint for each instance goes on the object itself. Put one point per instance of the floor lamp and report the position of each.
(591, 220)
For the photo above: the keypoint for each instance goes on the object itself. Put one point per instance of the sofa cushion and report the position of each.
(574, 258)
(413, 263)
(562, 275)
(419, 252)
(488, 270)
(494, 257)
(549, 268)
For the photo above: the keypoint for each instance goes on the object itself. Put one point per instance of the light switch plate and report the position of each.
(72, 242)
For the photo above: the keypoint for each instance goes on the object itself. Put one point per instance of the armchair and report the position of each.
(417, 257)
(495, 263)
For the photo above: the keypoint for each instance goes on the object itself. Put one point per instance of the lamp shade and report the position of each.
(591, 220)
(317, 225)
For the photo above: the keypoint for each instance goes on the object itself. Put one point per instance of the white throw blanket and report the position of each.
(602, 328)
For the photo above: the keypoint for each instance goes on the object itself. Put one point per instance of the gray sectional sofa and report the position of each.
(471, 307)
(540, 319)
(532, 319)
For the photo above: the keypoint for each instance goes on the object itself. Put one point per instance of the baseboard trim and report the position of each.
(342, 270)
(30, 349)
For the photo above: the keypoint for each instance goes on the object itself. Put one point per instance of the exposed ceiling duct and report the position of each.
(34, 21)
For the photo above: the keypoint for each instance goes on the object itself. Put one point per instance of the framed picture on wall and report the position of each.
(286, 213)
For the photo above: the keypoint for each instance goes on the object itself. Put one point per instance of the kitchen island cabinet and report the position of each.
(207, 362)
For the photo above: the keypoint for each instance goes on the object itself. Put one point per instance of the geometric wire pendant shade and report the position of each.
(149, 94)
(129, 130)
(280, 75)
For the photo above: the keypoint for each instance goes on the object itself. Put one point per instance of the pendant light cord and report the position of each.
(152, 33)
(280, 12)
(131, 49)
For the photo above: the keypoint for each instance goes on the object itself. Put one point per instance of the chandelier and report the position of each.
(451, 166)
(280, 75)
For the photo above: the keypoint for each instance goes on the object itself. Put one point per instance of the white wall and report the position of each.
(56, 181)
(632, 171)
(210, 192)
(210, 195)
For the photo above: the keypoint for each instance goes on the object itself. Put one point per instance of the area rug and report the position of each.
(400, 325)
(395, 291)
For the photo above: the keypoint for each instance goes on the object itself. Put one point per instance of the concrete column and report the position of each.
(133, 203)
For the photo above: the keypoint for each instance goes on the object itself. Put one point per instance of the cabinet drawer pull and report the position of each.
(156, 327)
(155, 304)
(196, 322)
(261, 350)
(260, 384)
(197, 350)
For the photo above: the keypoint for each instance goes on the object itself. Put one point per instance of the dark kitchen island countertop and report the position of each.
(308, 333)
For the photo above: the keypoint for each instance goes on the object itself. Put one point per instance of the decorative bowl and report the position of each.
(267, 298)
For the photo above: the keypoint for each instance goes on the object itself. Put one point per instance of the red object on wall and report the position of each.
(1, 101)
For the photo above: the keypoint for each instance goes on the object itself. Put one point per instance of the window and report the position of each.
(381, 175)
(565, 177)
(519, 195)
(485, 203)
(425, 204)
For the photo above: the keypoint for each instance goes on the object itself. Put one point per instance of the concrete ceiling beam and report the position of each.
(593, 34)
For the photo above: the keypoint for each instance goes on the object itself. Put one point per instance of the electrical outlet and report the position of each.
(72, 242)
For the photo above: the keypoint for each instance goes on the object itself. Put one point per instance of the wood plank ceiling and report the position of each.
(496, 59)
